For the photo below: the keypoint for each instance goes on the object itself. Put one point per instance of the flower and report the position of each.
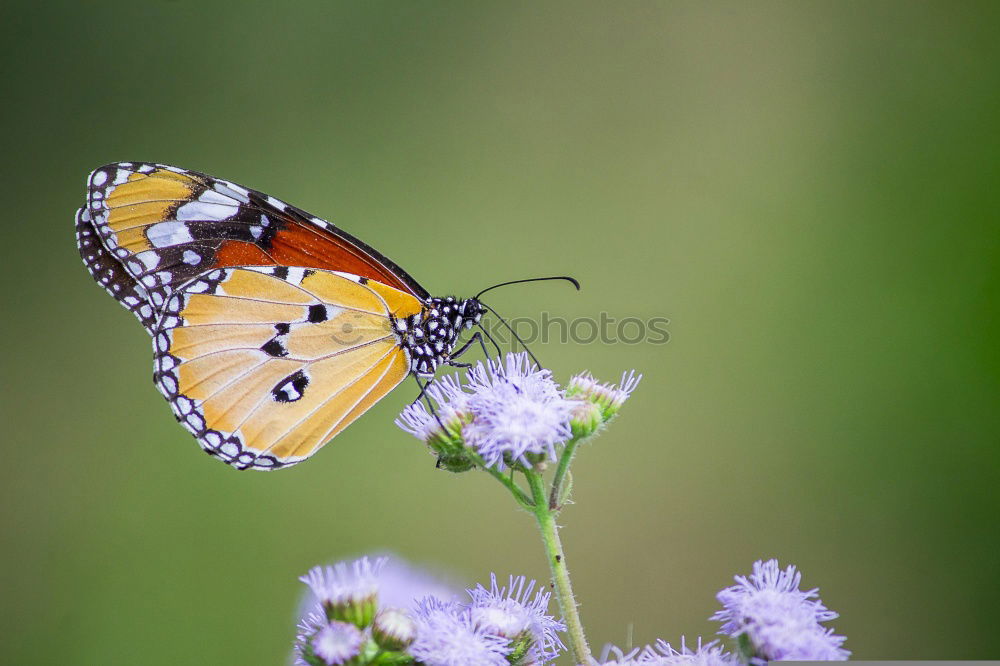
(518, 411)
(347, 593)
(608, 397)
(709, 654)
(612, 655)
(452, 402)
(510, 413)
(326, 643)
(441, 429)
(779, 620)
(518, 613)
(447, 636)
(663, 654)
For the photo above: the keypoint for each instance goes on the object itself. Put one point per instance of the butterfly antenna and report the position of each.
(512, 331)
(540, 279)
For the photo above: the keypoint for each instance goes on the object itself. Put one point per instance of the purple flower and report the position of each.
(517, 411)
(321, 642)
(452, 412)
(511, 413)
(348, 593)
(447, 636)
(780, 621)
(709, 654)
(663, 654)
(518, 613)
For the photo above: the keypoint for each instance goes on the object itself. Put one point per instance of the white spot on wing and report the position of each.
(149, 258)
(232, 191)
(170, 233)
(277, 203)
(199, 210)
(190, 257)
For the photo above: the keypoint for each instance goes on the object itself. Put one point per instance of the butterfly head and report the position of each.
(472, 311)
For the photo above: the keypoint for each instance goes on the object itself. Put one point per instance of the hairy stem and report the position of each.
(560, 475)
(508, 481)
(546, 518)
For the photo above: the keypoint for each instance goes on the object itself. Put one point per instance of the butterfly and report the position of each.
(272, 329)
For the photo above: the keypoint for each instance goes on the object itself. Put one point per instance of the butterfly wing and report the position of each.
(111, 274)
(165, 225)
(265, 364)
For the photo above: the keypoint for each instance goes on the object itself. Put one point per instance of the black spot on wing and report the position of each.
(291, 388)
(318, 313)
(273, 347)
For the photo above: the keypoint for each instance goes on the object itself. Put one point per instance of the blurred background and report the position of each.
(808, 191)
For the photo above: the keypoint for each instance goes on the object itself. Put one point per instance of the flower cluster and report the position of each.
(349, 625)
(768, 617)
(774, 620)
(510, 413)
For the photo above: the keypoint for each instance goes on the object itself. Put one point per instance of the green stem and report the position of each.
(560, 475)
(546, 518)
(508, 481)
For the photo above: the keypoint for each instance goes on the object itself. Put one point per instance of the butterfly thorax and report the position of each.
(429, 337)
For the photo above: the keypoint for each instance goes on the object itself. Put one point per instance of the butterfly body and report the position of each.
(272, 329)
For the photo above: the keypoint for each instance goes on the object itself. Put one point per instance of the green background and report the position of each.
(807, 190)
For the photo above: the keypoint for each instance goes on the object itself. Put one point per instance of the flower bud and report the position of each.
(608, 397)
(394, 630)
(586, 418)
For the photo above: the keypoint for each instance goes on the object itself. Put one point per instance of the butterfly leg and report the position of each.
(476, 337)
(427, 400)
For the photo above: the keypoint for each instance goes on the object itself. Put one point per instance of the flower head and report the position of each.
(347, 593)
(518, 411)
(510, 413)
(708, 654)
(518, 613)
(452, 411)
(447, 636)
(322, 642)
(609, 398)
(779, 620)
(663, 654)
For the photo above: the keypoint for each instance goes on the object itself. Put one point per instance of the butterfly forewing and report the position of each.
(111, 274)
(166, 225)
(265, 364)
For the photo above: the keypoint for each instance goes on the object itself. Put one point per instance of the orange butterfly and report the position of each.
(272, 329)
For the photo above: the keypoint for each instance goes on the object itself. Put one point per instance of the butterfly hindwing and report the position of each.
(265, 364)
